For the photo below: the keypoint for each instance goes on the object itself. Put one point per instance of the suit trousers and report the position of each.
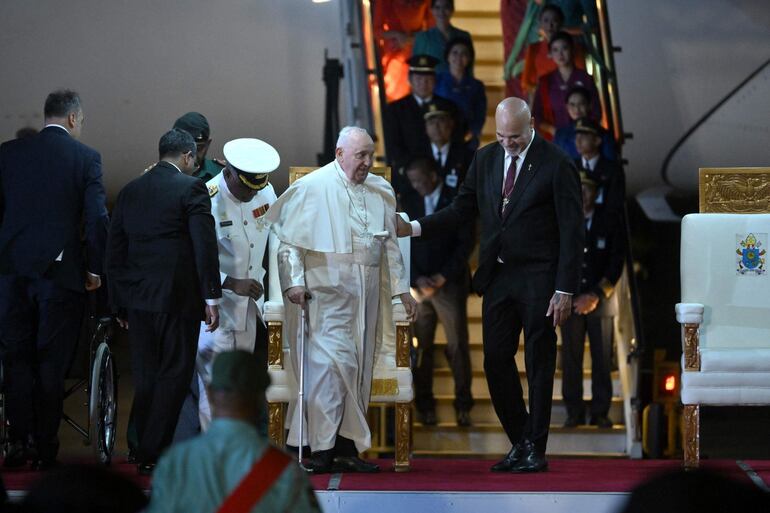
(448, 305)
(163, 347)
(600, 337)
(504, 316)
(39, 328)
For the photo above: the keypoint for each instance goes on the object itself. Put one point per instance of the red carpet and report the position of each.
(564, 475)
(22, 479)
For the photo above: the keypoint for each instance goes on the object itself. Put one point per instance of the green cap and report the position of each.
(237, 371)
(196, 124)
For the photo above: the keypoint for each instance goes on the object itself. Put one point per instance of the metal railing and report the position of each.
(704, 118)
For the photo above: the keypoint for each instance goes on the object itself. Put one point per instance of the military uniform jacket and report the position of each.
(241, 239)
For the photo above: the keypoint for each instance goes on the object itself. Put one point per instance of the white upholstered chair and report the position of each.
(725, 308)
(392, 381)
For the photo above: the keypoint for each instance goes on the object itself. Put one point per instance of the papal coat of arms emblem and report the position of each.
(751, 254)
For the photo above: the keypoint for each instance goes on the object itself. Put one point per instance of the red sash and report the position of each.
(256, 483)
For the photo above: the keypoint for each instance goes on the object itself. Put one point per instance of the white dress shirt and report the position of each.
(440, 154)
(422, 101)
(431, 200)
(590, 164)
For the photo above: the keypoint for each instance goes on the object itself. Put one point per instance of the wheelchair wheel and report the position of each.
(103, 404)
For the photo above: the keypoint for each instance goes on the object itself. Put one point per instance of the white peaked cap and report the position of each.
(251, 156)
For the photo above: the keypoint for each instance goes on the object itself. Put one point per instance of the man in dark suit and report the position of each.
(163, 272)
(50, 183)
(405, 136)
(527, 193)
(452, 157)
(608, 174)
(440, 275)
(594, 307)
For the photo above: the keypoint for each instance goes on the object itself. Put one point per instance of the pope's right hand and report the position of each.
(403, 229)
(298, 295)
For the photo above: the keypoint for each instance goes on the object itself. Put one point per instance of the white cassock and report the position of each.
(339, 241)
(242, 235)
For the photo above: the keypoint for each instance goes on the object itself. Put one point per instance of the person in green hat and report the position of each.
(198, 126)
(231, 460)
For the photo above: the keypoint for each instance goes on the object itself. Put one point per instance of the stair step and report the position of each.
(477, 5)
(478, 25)
(476, 352)
(443, 383)
(495, 427)
(483, 411)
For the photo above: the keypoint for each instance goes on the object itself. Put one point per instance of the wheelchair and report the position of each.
(100, 385)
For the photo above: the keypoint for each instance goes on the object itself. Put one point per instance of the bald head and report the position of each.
(513, 125)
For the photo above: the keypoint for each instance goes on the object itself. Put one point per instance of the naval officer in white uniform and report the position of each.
(240, 196)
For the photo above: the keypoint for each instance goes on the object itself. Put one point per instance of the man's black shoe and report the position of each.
(507, 463)
(530, 460)
(601, 421)
(463, 418)
(427, 417)
(145, 469)
(18, 455)
(354, 464)
(573, 421)
(39, 465)
(320, 462)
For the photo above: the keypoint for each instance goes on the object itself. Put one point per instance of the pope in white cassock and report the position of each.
(339, 258)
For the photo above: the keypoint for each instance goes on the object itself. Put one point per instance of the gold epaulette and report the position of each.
(213, 190)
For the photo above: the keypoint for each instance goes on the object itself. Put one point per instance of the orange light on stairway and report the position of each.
(670, 383)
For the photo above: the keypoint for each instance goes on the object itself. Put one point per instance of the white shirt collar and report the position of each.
(431, 200)
(444, 149)
(175, 166)
(591, 162)
(57, 126)
(422, 101)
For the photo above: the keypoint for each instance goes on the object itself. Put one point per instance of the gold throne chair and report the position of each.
(392, 380)
(725, 297)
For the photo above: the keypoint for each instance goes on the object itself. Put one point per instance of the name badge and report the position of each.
(451, 180)
(601, 243)
(226, 223)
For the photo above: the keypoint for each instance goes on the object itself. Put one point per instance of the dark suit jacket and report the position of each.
(405, 136)
(609, 175)
(603, 260)
(457, 162)
(540, 238)
(447, 253)
(51, 184)
(162, 249)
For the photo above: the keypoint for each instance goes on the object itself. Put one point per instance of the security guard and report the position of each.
(197, 125)
(240, 197)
